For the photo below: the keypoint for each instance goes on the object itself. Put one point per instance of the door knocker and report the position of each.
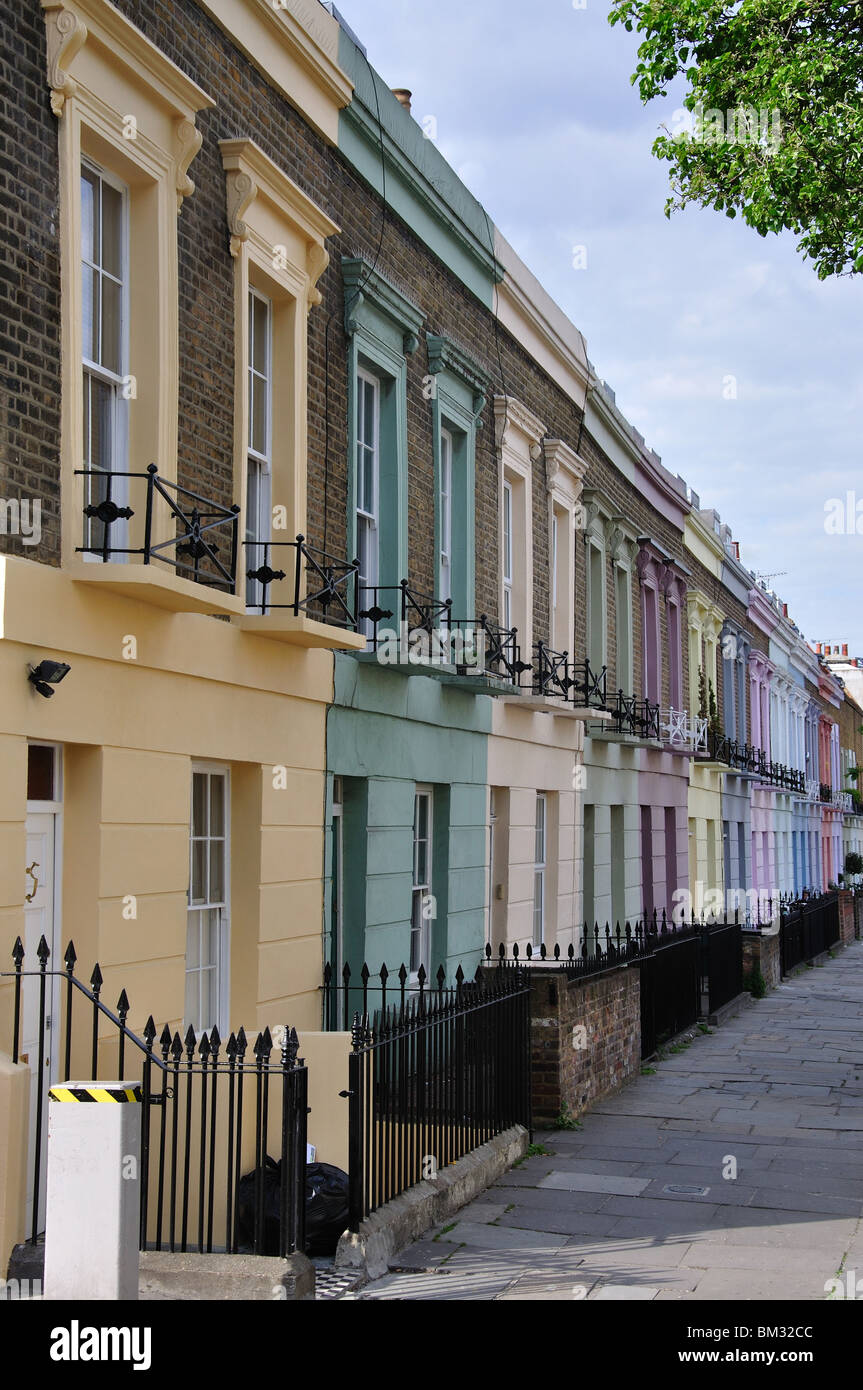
(28, 897)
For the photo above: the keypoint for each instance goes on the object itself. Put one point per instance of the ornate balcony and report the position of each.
(308, 601)
(417, 633)
(683, 731)
(149, 538)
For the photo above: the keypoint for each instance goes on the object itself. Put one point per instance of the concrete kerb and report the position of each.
(249, 1278)
(408, 1216)
(740, 1001)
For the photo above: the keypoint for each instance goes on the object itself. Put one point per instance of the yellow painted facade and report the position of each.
(168, 676)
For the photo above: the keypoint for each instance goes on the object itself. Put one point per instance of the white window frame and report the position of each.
(539, 868)
(337, 864)
(222, 966)
(115, 381)
(554, 562)
(258, 522)
(507, 552)
(368, 522)
(445, 498)
(420, 943)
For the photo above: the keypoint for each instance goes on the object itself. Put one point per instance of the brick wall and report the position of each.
(248, 107)
(577, 1069)
(761, 953)
(29, 282)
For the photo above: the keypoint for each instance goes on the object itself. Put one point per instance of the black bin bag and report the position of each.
(326, 1208)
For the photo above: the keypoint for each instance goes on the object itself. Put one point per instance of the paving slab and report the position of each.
(779, 1088)
(594, 1182)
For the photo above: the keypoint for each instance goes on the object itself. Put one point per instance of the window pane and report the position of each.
(193, 937)
(258, 415)
(101, 425)
(89, 207)
(217, 805)
(259, 350)
(199, 803)
(90, 313)
(217, 871)
(191, 1013)
(112, 326)
(40, 773)
(112, 230)
(368, 434)
(367, 497)
(198, 889)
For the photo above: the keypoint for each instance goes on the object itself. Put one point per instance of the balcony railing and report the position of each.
(682, 730)
(846, 801)
(630, 715)
(556, 677)
(321, 584)
(825, 793)
(203, 548)
(743, 757)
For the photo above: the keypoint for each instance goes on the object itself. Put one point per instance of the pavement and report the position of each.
(732, 1170)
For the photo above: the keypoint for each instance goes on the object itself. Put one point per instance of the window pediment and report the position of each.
(365, 289)
(261, 202)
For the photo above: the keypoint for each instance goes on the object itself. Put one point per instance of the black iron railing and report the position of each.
(825, 793)
(808, 928)
(203, 547)
(433, 1077)
(743, 757)
(322, 584)
(202, 1102)
(552, 673)
(630, 715)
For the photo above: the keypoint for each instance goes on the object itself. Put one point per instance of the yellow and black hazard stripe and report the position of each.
(120, 1095)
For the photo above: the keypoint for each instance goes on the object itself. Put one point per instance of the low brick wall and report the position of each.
(761, 953)
(846, 916)
(585, 1039)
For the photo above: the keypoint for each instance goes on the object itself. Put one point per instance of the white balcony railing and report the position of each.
(683, 730)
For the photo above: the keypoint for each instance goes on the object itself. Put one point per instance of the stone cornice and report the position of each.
(562, 461)
(509, 413)
(522, 301)
(70, 24)
(446, 355)
(306, 40)
(363, 283)
(761, 611)
(250, 173)
(402, 170)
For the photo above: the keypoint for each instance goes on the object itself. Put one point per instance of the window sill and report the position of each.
(153, 585)
(300, 631)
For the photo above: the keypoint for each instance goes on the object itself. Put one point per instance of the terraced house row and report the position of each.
(387, 635)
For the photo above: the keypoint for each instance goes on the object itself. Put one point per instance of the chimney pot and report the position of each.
(402, 95)
(844, 648)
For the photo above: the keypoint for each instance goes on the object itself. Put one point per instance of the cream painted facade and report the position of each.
(706, 828)
(534, 760)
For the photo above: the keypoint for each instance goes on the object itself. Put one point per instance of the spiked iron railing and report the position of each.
(201, 1099)
(435, 1075)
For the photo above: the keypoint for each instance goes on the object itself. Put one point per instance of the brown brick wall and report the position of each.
(29, 282)
(609, 1009)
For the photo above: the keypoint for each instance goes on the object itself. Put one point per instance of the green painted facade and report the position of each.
(387, 733)
(420, 186)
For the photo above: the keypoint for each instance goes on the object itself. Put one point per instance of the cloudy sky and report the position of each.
(536, 113)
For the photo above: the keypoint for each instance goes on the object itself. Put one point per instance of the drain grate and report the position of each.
(685, 1189)
(331, 1283)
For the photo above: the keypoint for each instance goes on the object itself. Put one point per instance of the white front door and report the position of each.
(38, 1046)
